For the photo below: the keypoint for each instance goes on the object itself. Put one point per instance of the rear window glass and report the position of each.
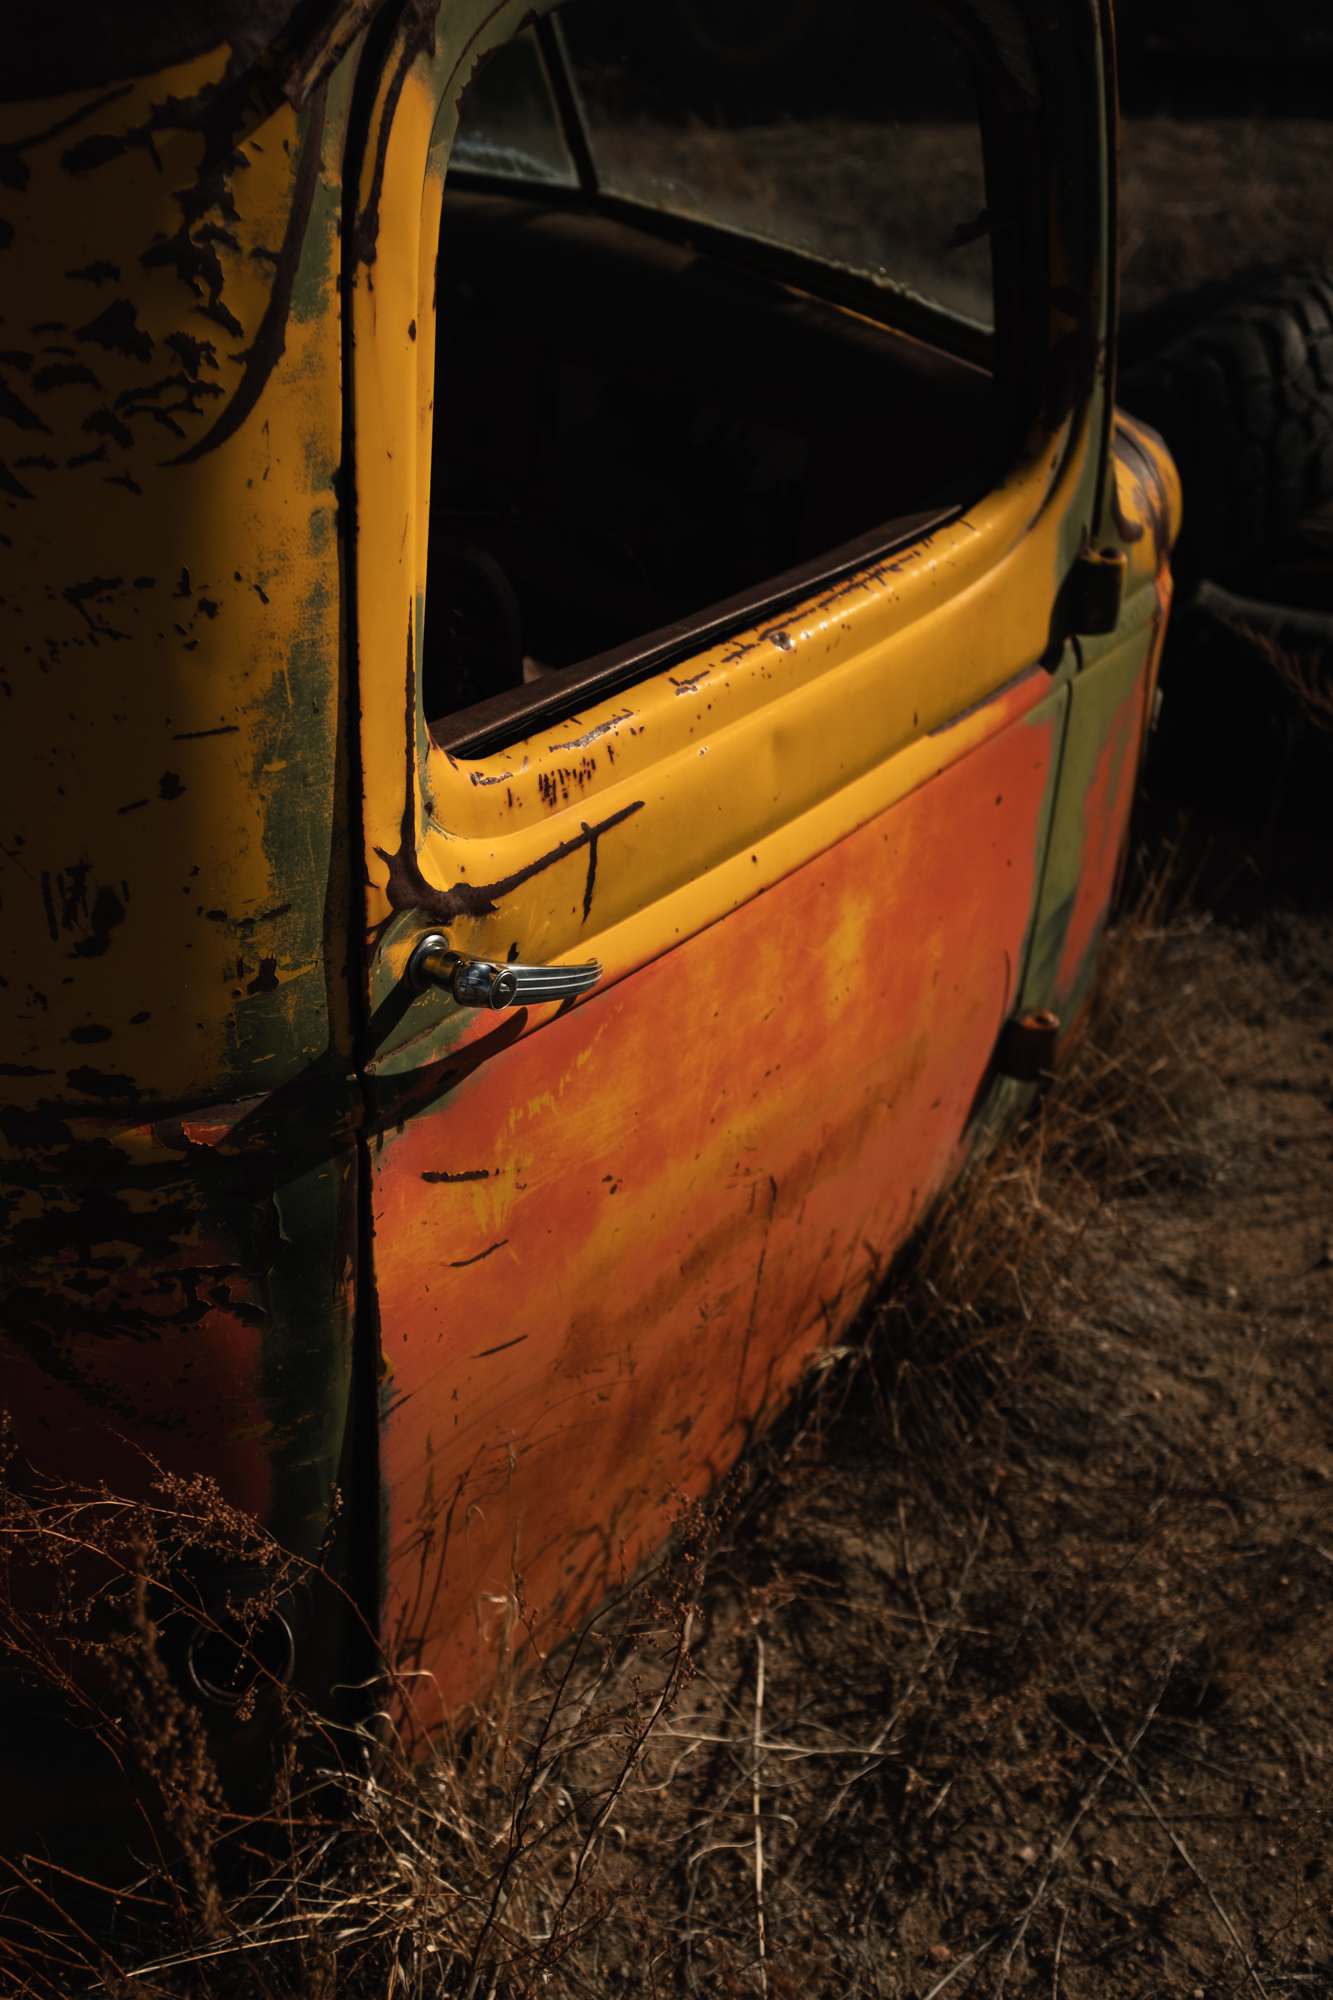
(847, 133)
(785, 123)
(509, 126)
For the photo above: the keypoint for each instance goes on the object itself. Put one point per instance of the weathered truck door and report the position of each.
(603, 1237)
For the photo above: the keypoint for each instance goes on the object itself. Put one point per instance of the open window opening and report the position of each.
(715, 289)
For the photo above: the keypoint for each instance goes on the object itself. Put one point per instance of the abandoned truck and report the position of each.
(575, 661)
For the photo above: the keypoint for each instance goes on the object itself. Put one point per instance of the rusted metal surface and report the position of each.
(822, 859)
(177, 1294)
(177, 1149)
(275, 48)
(171, 615)
(605, 1249)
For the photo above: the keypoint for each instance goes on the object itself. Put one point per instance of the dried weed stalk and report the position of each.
(470, 1862)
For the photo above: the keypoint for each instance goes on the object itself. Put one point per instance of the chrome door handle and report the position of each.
(479, 982)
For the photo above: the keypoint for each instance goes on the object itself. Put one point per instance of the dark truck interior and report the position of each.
(635, 423)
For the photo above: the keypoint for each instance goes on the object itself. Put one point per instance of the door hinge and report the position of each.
(1097, 590)
(1028, 1046)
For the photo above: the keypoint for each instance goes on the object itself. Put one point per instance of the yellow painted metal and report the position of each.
(605, 1249)
(177, 1156)
(1149, 503)
(176, 894)
(713, 760)
(762, 745)
(171, 600)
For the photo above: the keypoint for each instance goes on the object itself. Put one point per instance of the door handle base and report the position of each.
(480, 982)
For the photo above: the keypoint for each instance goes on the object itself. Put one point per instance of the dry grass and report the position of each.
(1001, 1670)
(1307, 679)
(1204, 199)
(818, 185)
(472, 1858)
(1200, 199)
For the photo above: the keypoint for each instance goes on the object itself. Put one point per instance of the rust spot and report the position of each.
(600, 729)
(266, 349)
(61, 374)
(67, 908)
(102, 1083)
(117, 328)
(17, 411)
(105, 423)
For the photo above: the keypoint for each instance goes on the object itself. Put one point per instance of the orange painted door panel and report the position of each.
(610, 1241)
(810, 856)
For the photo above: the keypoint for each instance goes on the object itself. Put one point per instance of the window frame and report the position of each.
(1016, 352)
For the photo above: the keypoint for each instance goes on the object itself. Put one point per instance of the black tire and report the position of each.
(1242, 390)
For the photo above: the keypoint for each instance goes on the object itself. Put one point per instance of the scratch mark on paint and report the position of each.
(754, 1298)
(461, 1263)
(517, 1341)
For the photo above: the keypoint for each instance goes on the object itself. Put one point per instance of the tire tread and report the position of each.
(1242, 390)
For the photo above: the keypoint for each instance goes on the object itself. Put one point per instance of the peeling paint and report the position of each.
(215, 1082)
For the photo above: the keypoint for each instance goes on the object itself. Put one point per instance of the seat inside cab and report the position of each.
(637, 419)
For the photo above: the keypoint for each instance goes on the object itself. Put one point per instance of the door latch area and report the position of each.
(1097, 589)
(480, 982)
